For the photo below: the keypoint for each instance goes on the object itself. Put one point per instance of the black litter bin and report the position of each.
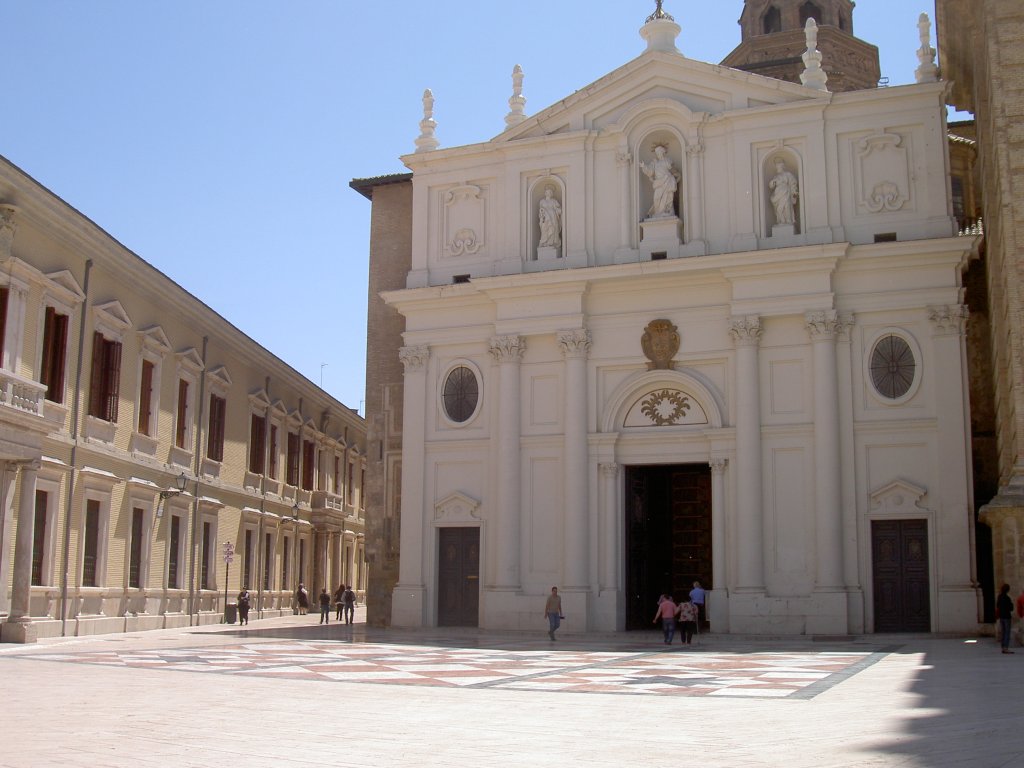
(230, 613)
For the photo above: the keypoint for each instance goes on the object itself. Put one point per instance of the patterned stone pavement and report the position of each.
(668, 672)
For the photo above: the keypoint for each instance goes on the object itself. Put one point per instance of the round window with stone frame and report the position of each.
(460, 394)
(893, 367)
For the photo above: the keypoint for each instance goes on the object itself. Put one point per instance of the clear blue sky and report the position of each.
(216, 138)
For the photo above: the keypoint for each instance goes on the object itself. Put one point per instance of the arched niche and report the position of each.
(771, 21)
(647, 156)
(547, 218)
(663, 399)
(781, 176)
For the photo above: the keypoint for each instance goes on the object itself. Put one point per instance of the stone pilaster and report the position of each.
(575, 346)
(746, 332)
(508, 353)
(822, 327)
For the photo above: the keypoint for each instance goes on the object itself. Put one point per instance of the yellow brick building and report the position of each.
(139, 432)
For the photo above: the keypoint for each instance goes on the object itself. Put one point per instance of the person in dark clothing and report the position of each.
(325, 606)
(1004, 610)
(302, 599)
(339, 601)
(350, 603)
(243, 606)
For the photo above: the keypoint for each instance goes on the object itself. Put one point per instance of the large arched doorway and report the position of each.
(668, 535)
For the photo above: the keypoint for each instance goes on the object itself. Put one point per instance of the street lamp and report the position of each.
(181, 481)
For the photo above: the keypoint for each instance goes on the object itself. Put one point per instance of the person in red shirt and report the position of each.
(667, 614)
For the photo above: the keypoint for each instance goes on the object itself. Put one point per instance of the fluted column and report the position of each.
(746, 333)
(414, 431)
(508, 353)
(609, 573)
(575, 346)
(822, 325)
(17, 627)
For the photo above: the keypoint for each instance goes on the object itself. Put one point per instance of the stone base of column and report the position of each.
(717, 609)
(408, 606)
(17, 632)
(1005, 516)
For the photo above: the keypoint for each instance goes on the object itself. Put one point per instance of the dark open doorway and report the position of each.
(668, 535)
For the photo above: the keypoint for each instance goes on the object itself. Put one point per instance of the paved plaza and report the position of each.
(289, 692)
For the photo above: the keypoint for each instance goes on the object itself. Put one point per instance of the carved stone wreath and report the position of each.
(666, 407)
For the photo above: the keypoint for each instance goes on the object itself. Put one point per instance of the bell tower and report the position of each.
(773, 41)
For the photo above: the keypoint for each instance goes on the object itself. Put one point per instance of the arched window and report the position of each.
(809, 11)
(772, 21)
(842, 22)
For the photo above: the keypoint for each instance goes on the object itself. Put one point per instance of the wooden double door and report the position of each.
(668, 535)
(458, 577)
(899, 565)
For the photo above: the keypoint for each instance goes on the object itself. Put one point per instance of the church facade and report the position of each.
(689, 324)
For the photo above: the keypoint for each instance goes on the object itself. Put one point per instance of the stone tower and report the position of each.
(773, 40)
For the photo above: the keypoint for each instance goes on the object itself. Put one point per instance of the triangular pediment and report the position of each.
(656, 76)
(64, 284)
(897, 497)
(154, 338)
(457, 508)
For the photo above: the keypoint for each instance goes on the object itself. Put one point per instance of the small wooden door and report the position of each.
(458, 577)
(899, 562)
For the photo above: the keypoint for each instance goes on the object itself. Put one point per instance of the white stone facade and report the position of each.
(771, 388)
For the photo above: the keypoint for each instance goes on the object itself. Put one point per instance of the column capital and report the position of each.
(718, 464)
(844, 324)
(822, 325)
(414, 358)
(608, 469)
(574, 343)
(8, 225)
(507, 349)
(746, 330)
(948, 320)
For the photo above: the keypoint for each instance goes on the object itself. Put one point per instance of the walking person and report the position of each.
(339, 600)
(349, 598)
(553, 612)
(667, 614)
(687, 621)
(1004, 611)
(302, 599)
(325, 606)
(699, 597)
(243, 606)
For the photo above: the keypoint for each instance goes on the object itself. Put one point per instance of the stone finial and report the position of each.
(426, 140)
(517, 101)
(813, 75)
(7, 226)
(660, 31)
(926, 72)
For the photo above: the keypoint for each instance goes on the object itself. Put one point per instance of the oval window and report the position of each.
(892, 366)
(460, 394)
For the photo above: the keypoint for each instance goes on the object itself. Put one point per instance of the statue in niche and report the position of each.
(550, 220)
(784, 193)
(664, 182)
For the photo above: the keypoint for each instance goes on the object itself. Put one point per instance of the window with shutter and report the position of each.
(105, 378)
(292, 469)
(146, 398)
(215, 443)
(181, 424)
(55, 341)
(308, 464)
(257, 443)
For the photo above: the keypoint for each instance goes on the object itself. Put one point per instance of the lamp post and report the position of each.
(180, 481)
(229, 557)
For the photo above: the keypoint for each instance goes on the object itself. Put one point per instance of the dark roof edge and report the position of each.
(365, 186)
